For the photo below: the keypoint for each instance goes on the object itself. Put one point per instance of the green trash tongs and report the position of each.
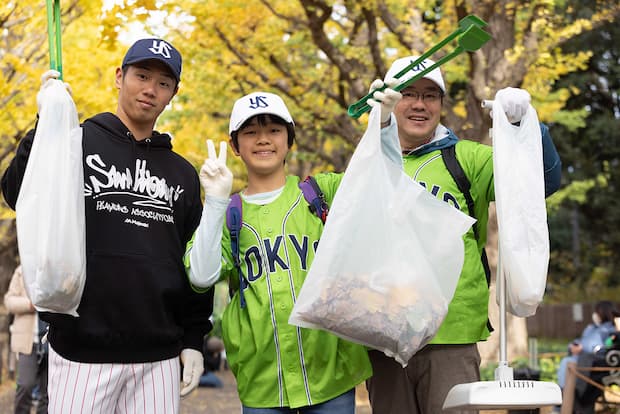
(469, 36)
(54, 35)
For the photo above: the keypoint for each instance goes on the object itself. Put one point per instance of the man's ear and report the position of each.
(119, 78)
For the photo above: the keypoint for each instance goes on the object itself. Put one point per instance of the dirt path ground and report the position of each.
(204, 400)
(207, 400)
(225, 401)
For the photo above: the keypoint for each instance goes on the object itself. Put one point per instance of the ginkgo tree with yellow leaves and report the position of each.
(322, 55)
(24, 58)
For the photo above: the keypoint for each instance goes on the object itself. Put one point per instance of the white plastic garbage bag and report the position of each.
(389, 257)
(50, 206)
(521, 211)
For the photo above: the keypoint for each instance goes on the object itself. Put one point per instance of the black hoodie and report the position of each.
(142, 204)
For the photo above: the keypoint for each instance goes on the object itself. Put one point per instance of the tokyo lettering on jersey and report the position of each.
(277, 364)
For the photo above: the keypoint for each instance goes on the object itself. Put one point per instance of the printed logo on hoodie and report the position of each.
(152, 198)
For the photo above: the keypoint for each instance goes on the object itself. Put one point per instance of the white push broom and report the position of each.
(505, 392)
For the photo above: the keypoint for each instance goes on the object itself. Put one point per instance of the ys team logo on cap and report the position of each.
(161, 48)
(257, 103)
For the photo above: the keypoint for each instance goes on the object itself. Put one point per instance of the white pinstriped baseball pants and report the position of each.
(143, 388)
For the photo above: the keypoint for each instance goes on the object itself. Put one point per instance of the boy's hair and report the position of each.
(264, 119)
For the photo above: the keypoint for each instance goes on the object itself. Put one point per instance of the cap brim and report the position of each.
(272, 113)
(138, 60)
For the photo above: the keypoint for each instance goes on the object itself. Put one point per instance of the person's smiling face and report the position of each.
(263, 146)
(418, 113)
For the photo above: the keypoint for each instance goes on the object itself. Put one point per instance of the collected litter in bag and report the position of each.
(383, 317)
(389, 257)
(50, 206)
(521, 210)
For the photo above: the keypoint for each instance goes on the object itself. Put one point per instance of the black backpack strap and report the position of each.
(462, 182)
(448, 155)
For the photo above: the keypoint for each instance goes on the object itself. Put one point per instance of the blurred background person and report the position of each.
(588, 351)
(27, 342)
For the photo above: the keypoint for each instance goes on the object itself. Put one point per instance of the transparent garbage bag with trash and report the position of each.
(50, 206)
(389, 258)
(521, 210)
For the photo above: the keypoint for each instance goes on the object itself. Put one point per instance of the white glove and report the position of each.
(45, 78)
(388, 97)
(215, 177)
(50, 74)
(193, 367)
(514, 101)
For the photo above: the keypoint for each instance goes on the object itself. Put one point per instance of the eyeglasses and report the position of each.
(428, 96)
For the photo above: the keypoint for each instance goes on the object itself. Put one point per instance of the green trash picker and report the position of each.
(469, 37)
(54, 35)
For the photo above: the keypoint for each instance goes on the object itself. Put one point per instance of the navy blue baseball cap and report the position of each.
(145, 49)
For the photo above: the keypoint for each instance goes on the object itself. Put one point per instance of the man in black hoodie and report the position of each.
(138, 313)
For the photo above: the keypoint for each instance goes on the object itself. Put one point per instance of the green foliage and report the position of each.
(572, 120)
(577, 192)
(548, 366)
(585, 215)
(550, 352)
(487, 372)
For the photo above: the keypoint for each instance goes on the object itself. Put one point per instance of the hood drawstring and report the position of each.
(148, 144)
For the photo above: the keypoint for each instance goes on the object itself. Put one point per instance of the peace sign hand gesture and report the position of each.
(215, 177)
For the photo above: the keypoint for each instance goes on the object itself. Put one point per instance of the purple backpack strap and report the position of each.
(315, 197)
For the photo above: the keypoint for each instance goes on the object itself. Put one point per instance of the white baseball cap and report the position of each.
(257, 103)
(400, 64)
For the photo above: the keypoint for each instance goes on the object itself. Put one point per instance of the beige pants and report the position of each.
(422, 386)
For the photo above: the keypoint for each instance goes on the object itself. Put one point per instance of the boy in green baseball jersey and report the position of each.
(452, 356)
(279, 368)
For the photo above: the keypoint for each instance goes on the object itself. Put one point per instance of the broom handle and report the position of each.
(503, 372)
(501, 286)
(501, 282)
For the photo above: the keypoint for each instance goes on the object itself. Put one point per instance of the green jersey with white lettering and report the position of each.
(466, 321)
(277, 364)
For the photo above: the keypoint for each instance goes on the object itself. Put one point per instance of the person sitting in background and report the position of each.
(592, 338)
(27, 331)
(587, 351)
(212, 352)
